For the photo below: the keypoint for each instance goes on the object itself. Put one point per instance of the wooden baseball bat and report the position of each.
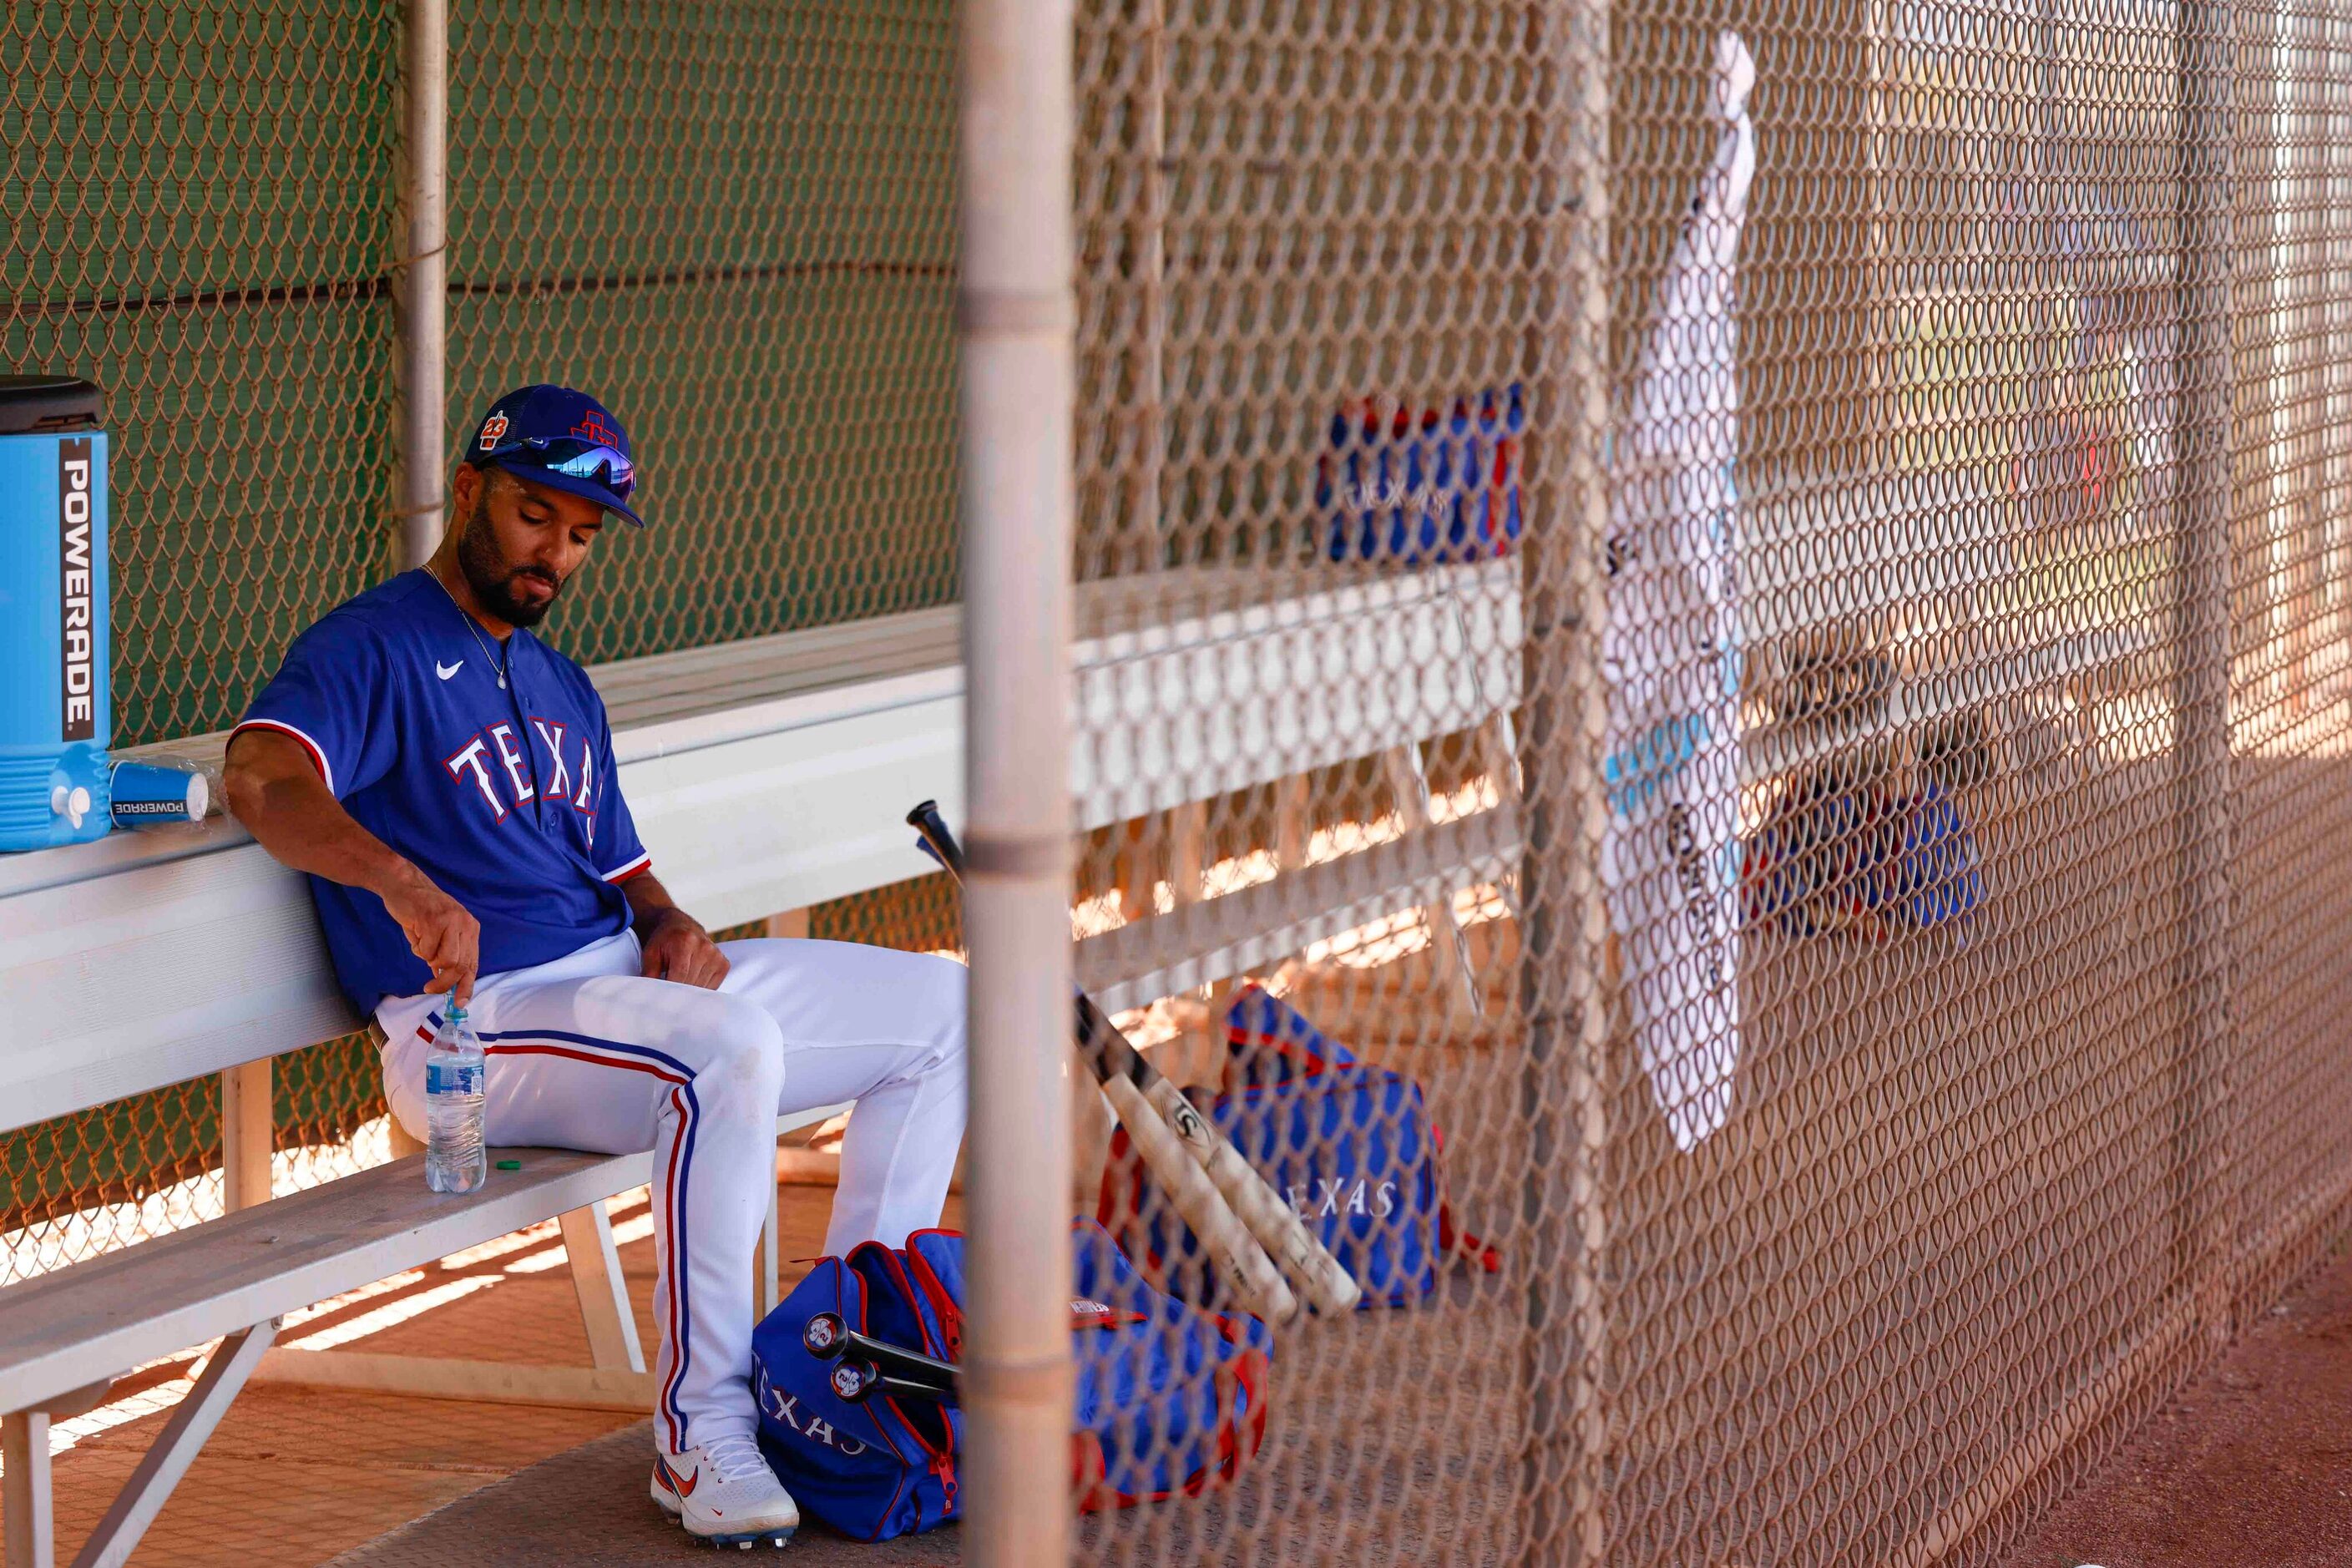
(1122, 1071)
(1233, 1252)
(1328, 1287)
(1239, 1259)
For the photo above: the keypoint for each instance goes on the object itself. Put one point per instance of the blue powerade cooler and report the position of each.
(55, 716)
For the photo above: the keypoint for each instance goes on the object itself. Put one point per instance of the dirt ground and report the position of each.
(2251, 1467)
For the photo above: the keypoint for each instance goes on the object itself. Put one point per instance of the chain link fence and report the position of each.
(732, 221)
(1901, 1049)
(735, 222)
(1751, 600)
(198, 219)
(1317, 253)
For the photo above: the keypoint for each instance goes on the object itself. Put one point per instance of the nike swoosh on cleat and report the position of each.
(445, 670)
(670, 1478)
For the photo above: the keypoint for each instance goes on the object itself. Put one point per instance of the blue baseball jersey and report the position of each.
(507, 799)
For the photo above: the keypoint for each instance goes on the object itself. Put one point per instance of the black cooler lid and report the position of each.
(33, 403)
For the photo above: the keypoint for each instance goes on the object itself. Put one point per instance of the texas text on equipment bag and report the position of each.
(1170, 1399)
(1350, 1144)
(1418, 486)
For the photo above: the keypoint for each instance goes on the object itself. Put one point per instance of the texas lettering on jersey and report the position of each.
(492, 763)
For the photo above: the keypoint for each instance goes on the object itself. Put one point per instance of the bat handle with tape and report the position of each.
(938, 841)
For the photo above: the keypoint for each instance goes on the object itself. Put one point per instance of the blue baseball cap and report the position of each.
(560, 438)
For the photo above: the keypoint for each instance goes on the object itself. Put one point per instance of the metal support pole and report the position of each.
(1014, 321)
(2206, 512)
(420, 292)
(1151, 525)
(1564, 985)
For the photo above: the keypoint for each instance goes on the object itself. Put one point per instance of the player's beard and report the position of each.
(491, 575)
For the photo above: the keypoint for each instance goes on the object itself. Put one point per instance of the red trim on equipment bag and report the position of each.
(935, 1290)
(942, 1454)
(1452, 1239)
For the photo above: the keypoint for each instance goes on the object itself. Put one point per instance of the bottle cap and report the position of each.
(510, 1164)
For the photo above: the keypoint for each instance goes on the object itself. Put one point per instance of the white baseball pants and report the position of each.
(586, 1053)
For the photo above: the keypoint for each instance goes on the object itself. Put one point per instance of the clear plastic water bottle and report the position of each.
(455, 1074)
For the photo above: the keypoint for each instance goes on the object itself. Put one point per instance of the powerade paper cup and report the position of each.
(148, 794)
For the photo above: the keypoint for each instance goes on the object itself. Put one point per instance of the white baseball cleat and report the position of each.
(724, 1493)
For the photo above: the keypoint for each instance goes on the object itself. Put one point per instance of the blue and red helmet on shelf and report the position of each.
(561, 438)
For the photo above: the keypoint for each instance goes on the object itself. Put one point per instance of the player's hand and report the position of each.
(677, 948)
(439, 932)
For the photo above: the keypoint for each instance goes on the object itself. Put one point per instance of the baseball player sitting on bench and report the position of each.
(446, 780)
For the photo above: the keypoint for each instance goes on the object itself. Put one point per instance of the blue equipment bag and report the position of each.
(872, 1470)
(1428, 486)
(1349, 1145)
(1170, 1399)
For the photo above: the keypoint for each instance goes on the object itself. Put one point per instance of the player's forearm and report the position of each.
(676, 948)
(294, 818)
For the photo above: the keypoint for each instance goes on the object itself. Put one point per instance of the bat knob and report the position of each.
(853, 1380)
(824, 1335)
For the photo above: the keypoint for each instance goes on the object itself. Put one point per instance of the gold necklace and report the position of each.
(496, 663)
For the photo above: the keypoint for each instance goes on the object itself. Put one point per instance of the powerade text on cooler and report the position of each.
(55, 716)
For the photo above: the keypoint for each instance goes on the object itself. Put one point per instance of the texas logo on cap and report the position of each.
(563, 438)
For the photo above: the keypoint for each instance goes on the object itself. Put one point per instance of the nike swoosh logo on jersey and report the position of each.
(445, 670)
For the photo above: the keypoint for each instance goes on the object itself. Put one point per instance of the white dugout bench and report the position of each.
(766, 775)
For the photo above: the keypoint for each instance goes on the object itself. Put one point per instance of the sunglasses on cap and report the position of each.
(571, 457)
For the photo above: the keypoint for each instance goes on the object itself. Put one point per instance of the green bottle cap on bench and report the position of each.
(510, 1164)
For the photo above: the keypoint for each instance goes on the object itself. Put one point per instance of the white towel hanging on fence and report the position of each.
(1671, 653)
